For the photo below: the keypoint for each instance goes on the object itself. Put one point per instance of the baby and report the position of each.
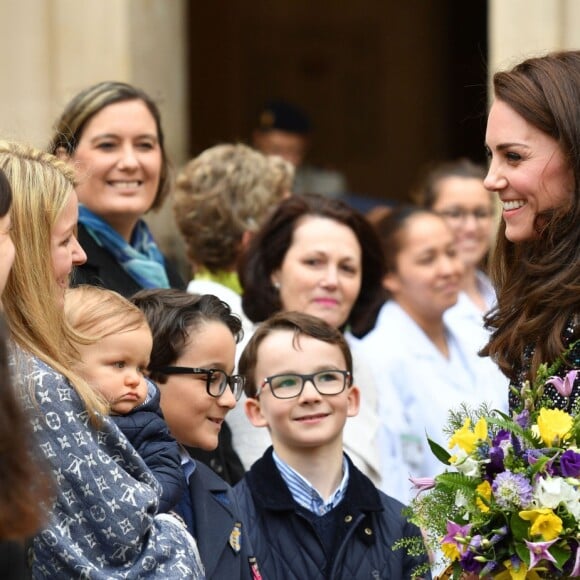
(114, 342)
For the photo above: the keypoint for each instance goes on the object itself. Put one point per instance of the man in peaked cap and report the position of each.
(284, 129)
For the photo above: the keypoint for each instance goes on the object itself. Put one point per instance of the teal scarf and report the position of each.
(141, 259)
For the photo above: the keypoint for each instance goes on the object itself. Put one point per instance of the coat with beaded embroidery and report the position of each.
(287, 546)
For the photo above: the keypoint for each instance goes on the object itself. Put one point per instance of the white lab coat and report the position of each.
(227, 295)
(467, 319)
(417, 387)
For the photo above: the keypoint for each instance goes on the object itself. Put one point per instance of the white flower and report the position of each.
(552, 491)
(466, 464)
(460, 499)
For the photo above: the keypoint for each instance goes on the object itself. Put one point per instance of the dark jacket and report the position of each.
(102, 269)
(13, 565)
(287, 546)
(221, 534)
(147, 431)
(570, 338)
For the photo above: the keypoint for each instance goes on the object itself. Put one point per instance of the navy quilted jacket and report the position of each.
(287, 546)
(148, 433)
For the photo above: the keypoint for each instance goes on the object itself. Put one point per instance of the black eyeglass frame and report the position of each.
(235, 382)
(347, 382)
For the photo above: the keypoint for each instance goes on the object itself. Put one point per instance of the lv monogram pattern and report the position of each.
(103, 523)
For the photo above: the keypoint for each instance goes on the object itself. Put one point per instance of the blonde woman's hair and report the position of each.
(224, 192)
(96, 313)
(41, 188)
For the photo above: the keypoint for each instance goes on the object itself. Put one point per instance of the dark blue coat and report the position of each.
(221, 534)
(287, 546)
(103, 269)
(147, 431)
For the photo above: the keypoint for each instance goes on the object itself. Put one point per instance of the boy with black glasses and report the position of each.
(193, 355)
(310, 512)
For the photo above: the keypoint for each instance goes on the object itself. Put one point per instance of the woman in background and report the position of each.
(455, 190)
(421, 365)
(222, 197)
(103, 522)
(319, 256)
(111, 136)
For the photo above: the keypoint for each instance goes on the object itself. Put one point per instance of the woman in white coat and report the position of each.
(423, 368)
(455, 190)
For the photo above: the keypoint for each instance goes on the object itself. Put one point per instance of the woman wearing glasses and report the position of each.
(455, 190)
(194, 345)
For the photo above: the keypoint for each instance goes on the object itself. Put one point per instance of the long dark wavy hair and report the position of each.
(538, 281)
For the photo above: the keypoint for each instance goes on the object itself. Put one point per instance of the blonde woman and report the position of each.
(222, 197)
(103, 522)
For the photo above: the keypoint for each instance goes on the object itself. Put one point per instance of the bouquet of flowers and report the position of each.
(510, 506)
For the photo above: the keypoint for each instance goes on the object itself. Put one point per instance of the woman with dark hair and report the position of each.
(422, 365)
(454, 189)
(111, 135)
(533, 140)
(263, 293)
(319, 256)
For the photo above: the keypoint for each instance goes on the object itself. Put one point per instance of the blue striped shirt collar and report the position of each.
(304, 494)
(187, 463)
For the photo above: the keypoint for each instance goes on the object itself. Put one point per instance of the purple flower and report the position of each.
(496, 457)
(564, 385)
(501, 436)
(523, 418)
(570, 463)
(576, 571)
(456, 535)
(468, 561)
(512, 490)
(422, 483)
(539, 551)
(499, 534)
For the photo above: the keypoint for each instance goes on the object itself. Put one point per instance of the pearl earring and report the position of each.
(277, 285)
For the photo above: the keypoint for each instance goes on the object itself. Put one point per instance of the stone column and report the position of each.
(522, 28)
(51, 49)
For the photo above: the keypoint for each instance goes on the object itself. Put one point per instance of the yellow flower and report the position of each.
(484, 490)
(450, 551)
(545, 523)
(465, 438)
(520, 574)
(554, 425)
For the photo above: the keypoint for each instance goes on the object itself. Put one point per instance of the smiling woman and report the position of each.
(455, 190)
(532, 137)
(422, 365)
(111, 136)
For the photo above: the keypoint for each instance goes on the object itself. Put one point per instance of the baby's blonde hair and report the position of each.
(95, 313)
